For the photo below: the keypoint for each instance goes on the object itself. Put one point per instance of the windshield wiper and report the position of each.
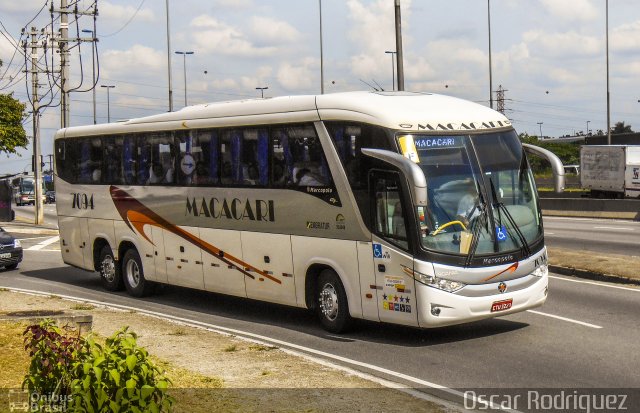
(482, 207)
(502, 207)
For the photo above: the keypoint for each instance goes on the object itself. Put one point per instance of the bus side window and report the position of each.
(389, 214)
(304, 157)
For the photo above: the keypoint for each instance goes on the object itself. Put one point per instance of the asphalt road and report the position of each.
(604, 236)
(586, 335)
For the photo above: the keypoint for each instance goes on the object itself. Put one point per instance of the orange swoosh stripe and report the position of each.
(136, 215)
(511, 268)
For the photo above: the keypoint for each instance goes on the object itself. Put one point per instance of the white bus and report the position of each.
(406, 208)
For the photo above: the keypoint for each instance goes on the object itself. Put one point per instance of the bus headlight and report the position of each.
(541, 271)
(439, 283)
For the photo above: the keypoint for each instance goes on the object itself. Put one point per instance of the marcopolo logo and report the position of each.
(237, 209)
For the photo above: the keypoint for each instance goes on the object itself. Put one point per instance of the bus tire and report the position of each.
(133, 275)
(333, 308)
(110, 274)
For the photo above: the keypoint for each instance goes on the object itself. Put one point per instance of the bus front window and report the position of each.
(481, 197)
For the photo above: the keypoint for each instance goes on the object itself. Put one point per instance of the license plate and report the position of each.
(5, 255)
(501, 305)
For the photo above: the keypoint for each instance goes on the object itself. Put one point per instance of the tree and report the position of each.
(12, 134)
(620, 127)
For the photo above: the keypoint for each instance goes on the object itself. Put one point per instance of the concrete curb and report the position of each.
(592, 275)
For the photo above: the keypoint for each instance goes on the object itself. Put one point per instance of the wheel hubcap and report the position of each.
(329, 302)
(108, 268)
(133, 273)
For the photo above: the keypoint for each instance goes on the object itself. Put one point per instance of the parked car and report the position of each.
(50, 197)
(10, 251)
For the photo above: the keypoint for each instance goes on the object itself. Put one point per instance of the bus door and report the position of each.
(392, 262)
(183, 259)
(74, 241)
(271, 254)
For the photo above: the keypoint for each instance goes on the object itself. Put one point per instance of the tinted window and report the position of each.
(349, 139)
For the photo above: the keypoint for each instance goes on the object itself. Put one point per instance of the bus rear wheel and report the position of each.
(133, 275)
(110, 273)
(333, 308)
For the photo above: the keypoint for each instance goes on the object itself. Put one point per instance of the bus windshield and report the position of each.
(27, 186)
(482, 198)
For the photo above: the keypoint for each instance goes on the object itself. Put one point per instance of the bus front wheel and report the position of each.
(133, 275)
(333, 308)
(110, 273)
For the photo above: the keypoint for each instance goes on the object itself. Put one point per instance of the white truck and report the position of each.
(610, 170)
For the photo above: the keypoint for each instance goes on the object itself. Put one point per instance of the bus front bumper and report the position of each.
(439, 308)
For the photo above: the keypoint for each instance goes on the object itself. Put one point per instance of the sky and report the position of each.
(549, 56)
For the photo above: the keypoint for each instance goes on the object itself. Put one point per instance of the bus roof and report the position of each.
(396, 110)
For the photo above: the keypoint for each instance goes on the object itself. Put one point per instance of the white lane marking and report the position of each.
(43, 244)
(616, 228)
(570, 320)
(549, 233)
(302, 350)
(637, 290)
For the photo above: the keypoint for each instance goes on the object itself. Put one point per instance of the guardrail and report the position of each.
(594, 208)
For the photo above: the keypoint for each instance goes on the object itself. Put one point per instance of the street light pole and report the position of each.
(588, 127)
(321, 54)
(400, 58)
(608, 94)
(184, 66)
(262, 89)
(169, 59)
(490, 65)
(393, 73)
(540, 124)
(108, 101)
(93, 71)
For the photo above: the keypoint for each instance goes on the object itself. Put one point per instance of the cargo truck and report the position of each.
(610, 171)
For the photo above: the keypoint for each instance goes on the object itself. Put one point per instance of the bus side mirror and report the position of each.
(411, 171)
(556, 164)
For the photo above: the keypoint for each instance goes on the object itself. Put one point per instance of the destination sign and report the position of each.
(437, 142)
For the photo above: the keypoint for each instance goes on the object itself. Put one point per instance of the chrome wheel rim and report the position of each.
(329, 302)
(133, 273)
(108, 269)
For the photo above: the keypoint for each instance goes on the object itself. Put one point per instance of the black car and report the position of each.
(10, 251)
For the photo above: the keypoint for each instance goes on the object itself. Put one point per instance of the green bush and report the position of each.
(79, 375)
(117, 377)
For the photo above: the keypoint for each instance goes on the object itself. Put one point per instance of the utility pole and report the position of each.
(490, 65)
(608, 91)
(63, 44)
(399, 46)
(63, 47)
(35, 101)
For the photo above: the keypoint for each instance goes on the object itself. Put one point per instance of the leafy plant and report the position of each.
(52, 353)
(117, 377)
(78, 374)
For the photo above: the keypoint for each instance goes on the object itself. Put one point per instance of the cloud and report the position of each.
(574, 10)
(542, 44)
(141, 60)
(117, 12)
(303, 75)
(626, 38)
(212, 35)
(272, 31)
(373, 32)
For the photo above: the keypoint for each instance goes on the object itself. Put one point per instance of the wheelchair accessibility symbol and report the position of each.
(501, 233)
